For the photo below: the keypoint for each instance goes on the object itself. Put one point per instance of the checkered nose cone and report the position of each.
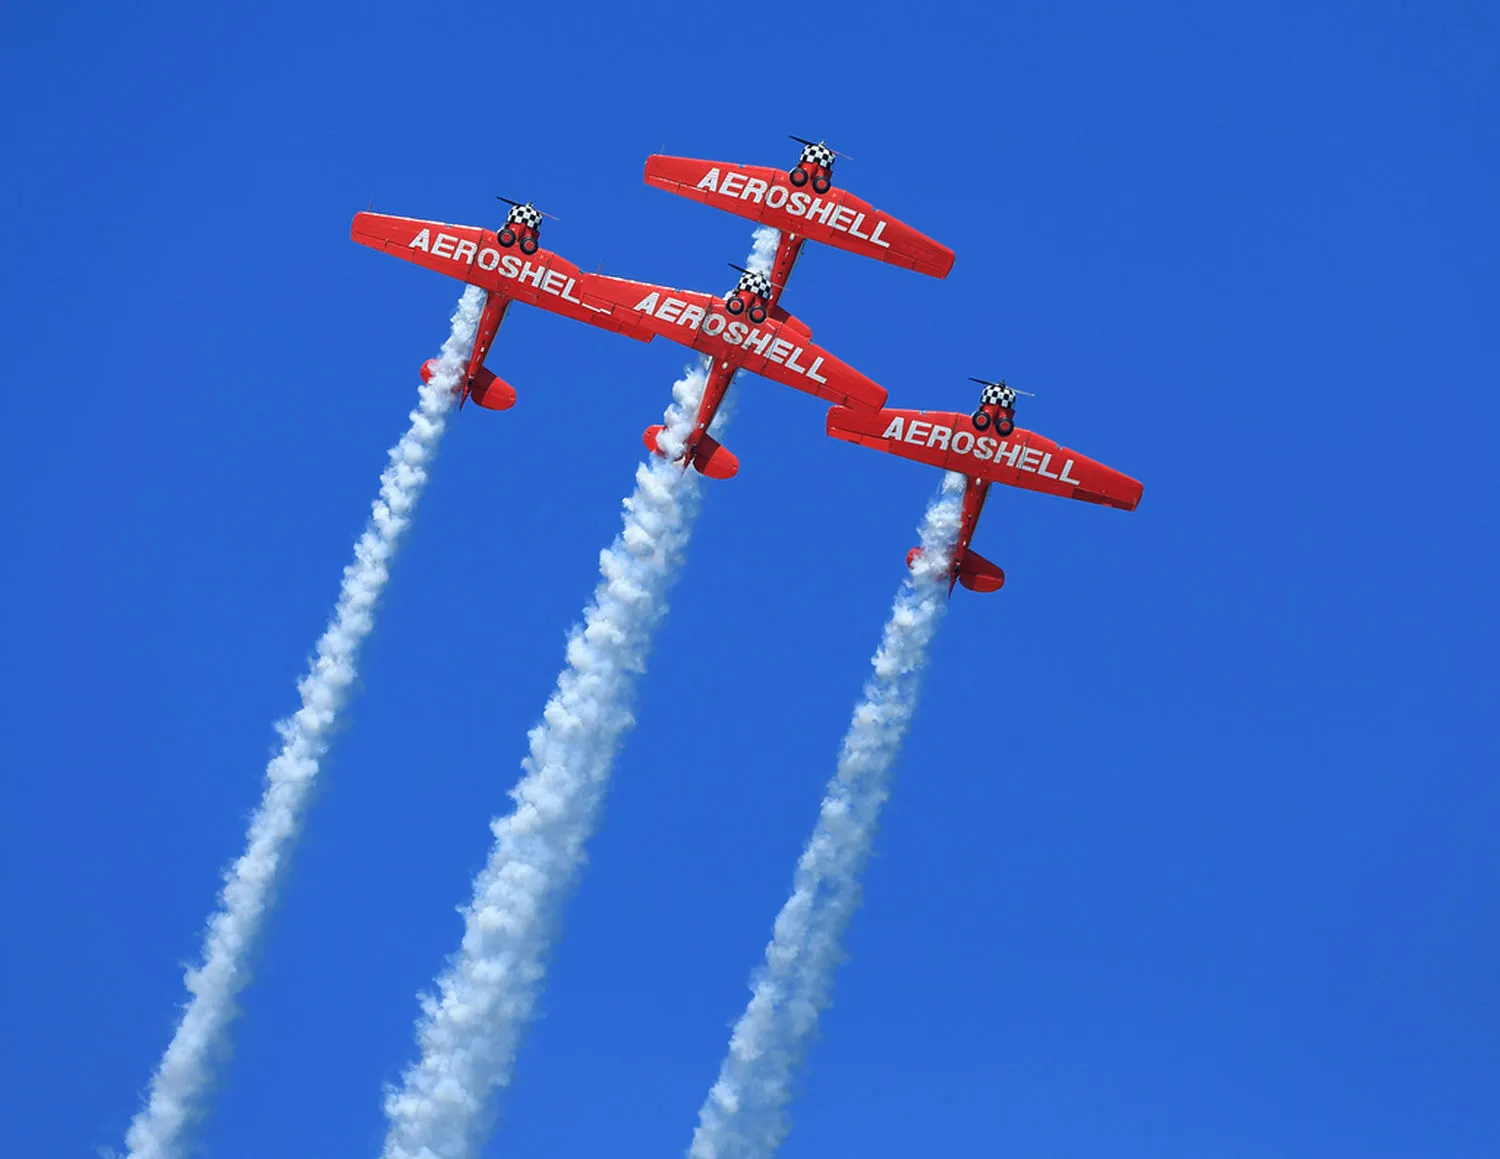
(757, 284)
(998, 396)
(817, 155)
(524, 215)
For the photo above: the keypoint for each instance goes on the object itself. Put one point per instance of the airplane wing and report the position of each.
(836, 218)
(475, 255)
(778, 349)
(1026, 459)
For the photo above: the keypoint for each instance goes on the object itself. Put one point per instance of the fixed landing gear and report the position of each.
(821, 180)
(735, 304)
(1003, 423)
(508, 237)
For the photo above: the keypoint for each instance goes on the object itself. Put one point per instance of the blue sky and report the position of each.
(1192, 847)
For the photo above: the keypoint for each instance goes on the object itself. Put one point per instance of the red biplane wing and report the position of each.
(1024, 459)
(778, 348)
(475, 255)
(836, 218)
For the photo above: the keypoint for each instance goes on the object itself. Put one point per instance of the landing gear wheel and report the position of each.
(734, 305)
(507, 236)
(757, 314)
(528, 246)
(1004, 426)
(821, 184)
(980, 420)
(798, 177)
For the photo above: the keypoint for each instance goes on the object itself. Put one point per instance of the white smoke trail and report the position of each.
(744, 1116)
(182, 1077)
(471, 1029)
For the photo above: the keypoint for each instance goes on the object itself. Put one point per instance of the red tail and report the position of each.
(711, 460)
(974, 571)
(488, 391)
(978, 574)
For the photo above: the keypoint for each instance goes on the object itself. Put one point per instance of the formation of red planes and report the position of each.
(748, 329)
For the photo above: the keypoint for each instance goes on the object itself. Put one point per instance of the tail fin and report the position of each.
(711, 460)
(978, 574)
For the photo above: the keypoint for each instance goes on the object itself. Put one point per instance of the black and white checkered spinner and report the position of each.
(998, 395)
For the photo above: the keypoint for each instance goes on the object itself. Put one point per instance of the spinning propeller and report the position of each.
(519, 204)
(1002, 385)
(825, 144)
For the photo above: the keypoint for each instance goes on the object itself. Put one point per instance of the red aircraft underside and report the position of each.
(506, 274)
(837, 218)
(779, 348)
(1025, 459)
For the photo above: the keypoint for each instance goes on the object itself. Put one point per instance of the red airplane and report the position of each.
(773, 197)
(771, 343)
(487, 259)
(779, 198)
(969, 445)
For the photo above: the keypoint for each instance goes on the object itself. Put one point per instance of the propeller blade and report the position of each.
(518, 204)
(825, 144)
(743, 270)
(986, 382)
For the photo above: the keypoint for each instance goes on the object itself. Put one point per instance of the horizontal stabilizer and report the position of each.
(978, 574)
(713, 461)
(488, 391)
(492, 393)
(710, 459)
